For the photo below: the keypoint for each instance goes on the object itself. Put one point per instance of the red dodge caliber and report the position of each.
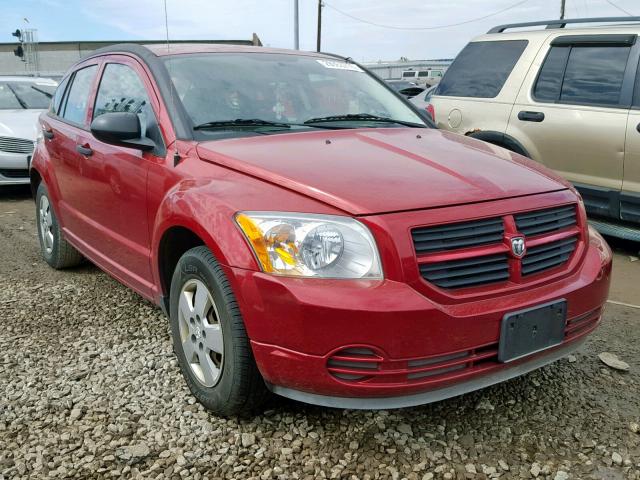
(307, 232)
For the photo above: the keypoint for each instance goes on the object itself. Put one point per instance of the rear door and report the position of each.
(571, 114)
(116, 209)
(63, 126)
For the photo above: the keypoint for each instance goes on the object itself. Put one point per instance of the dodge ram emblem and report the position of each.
(518, 246)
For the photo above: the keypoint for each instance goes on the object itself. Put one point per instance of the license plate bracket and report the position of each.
(532, 330)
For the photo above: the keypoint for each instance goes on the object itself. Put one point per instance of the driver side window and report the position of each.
(121, 90)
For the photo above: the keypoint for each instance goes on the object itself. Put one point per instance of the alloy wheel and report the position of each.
(201, 333)
(46, 224)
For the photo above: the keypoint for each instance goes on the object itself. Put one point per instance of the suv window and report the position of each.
(408, 74)
(121, 90)
(481, 69)
(594, 75)
(547, 88)
(76, 104)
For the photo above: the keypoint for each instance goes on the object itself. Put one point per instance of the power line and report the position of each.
(396, 27)
(619, 8)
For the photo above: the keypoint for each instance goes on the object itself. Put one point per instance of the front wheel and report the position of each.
(209, 337)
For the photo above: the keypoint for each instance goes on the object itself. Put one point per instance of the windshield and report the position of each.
(25, 95)
(280, 88)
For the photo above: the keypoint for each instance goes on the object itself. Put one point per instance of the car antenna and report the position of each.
(176, 154)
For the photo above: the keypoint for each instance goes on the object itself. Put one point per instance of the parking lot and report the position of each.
(91, 389)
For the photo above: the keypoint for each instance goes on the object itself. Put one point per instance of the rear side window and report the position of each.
(549, 82)
(481, 69)
(75, 109)
(57, 97)
(593, 75)
(408, 74)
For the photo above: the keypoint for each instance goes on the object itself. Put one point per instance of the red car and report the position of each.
(307, 231)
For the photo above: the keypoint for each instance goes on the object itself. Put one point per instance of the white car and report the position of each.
(423, 100)
(22, 99)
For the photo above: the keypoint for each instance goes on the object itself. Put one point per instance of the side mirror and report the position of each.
(120, 128)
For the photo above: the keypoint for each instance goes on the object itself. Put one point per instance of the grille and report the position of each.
(457, 235)
(467, 272)
(548, 255)
(477, 252)
(546, 221)
(16, 145)
(14, 173)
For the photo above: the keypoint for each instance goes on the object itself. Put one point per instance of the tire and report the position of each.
(56, 251)
(210, 340)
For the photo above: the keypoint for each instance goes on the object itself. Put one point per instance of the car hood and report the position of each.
(378, 170)
(19, 123)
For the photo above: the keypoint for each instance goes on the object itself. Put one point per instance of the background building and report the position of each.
(52, 59)
(394, 69)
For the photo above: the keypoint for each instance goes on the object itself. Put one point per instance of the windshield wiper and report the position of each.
(350, 117)
(44, 92)
(20, 101)
(241, 122)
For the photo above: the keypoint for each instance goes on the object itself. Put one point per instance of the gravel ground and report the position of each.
(90, 389)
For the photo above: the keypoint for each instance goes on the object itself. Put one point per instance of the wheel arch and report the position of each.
(175, 241)
(35, 179)
(180, 235)
(500, 139)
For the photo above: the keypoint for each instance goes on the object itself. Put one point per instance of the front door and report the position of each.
(116, 209)
(630, 196)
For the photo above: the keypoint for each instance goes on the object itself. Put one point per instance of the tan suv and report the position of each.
(568, 98)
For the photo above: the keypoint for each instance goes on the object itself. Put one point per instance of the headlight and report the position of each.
(308, 245)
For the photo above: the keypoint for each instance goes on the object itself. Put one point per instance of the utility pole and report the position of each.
(319, 25)
(562, 2)
(296, 26)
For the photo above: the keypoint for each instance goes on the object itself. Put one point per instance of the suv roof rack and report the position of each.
(561, 23)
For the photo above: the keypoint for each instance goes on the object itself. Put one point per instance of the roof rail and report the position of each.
(561, 23)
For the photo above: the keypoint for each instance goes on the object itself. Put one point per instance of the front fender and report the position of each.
(188, 205)
(204, 198)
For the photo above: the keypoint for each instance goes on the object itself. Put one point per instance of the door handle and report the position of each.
(531, 116)
(48, 133)
(84, 150)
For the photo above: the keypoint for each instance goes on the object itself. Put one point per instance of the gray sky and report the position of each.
(272, 20)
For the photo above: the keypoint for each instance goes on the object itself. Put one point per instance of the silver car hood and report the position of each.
(19, 123)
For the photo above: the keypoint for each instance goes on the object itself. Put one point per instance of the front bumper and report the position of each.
(14, 168)
(435, 395)
(422, 351)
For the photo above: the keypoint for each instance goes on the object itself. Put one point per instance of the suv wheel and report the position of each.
(56, 251)
(209, 337)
